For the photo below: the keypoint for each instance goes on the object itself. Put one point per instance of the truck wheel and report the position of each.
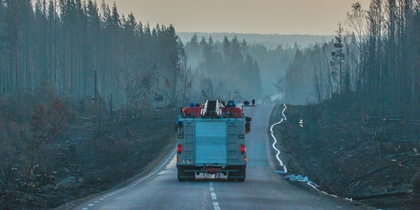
(185, 176)
(192, 176)
(239, 175)
(180, 175)
(242, 174)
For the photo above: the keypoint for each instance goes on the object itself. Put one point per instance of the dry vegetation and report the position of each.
(56, 149)
(374, 161)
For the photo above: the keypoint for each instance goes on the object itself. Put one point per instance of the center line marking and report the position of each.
(213, 196)
(216, 206)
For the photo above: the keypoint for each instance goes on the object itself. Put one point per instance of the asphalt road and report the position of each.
(262, 189)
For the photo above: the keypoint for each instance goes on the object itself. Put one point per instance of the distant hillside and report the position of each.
(271, 41)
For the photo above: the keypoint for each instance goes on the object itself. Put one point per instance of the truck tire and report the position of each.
(243, 174)
(185, 176)
(192, 175)
(239, 175)
(181, 176)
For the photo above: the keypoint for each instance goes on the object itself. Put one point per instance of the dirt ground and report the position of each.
(375, 162)
(96, 163)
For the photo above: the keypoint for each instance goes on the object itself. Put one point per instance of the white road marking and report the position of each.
(213, 197)
(216, 206)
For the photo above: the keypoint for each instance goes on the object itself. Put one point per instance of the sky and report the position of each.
(315, 17)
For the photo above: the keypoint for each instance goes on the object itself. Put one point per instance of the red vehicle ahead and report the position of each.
(211, 140)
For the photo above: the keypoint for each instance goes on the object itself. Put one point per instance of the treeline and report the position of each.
(308, 77)
(86, 51)
(270, 41)
(226, 70)
(55, 57)
(250, 71)
(373, 67)
(273, 65)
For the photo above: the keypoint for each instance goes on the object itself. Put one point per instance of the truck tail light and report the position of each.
(179, 149)
(242, 149)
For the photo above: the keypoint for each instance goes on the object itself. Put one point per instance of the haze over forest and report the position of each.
(271, 41)
(91, 50)
(74, 64)
(104, 61)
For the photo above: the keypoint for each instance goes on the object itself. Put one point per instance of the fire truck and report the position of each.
(211, 140)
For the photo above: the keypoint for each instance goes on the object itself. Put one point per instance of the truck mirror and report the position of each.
(247, 127)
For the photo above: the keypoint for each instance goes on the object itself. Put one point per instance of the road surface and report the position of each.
(262, 189)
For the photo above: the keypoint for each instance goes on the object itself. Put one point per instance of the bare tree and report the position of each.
(356, 20)
(337, 63)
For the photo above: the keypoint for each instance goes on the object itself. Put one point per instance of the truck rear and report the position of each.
(211, 140)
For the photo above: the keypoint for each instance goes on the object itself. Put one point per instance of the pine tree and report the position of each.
(192, 49)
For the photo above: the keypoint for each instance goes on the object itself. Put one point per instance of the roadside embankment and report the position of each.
(372, 161)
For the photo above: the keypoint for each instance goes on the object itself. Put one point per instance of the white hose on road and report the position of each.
(275, 140)
(292, 176)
